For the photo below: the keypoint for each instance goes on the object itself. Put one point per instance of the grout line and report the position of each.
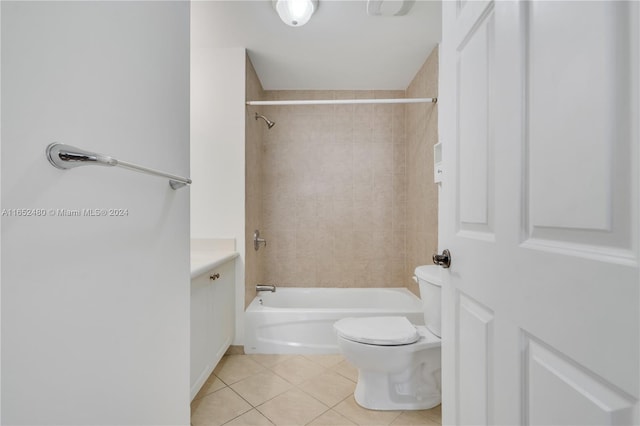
(346, 377)
(241, 414)
(267, 400)
(263, 414)
(396, 417)
(319, 415)
(308, 394)
(209, 394)
(430, 416)
(283, 378)
(250, 404)
(298, 388)
(225, 383)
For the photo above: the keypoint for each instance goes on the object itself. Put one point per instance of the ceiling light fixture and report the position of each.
(295, 13)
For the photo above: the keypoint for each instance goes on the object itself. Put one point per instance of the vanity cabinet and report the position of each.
(212, 320)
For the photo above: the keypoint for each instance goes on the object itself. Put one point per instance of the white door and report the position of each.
(539, 208)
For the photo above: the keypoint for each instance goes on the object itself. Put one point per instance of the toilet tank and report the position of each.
(428, 277)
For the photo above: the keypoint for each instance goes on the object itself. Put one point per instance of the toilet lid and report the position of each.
(382, 331)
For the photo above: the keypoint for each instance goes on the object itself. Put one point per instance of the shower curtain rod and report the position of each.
(347, 101)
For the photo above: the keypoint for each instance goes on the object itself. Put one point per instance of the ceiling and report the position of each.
(341, 48)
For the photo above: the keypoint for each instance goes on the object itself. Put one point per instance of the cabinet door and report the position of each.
(212, 321)
(222, 318)
(201, 318)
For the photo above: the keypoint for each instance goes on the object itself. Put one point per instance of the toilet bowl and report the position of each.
(398, 362)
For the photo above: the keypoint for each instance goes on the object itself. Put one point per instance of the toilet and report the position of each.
(398, 363)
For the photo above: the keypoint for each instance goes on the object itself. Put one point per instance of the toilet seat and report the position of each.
(379, 331)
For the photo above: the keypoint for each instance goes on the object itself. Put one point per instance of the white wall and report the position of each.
(217, 153)
(95, 310)
(0, 226)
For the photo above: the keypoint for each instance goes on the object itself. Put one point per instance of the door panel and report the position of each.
(539, 207)
(568, 128)
(575, 122)
(560, 392)
(475, 156)
(475, 341)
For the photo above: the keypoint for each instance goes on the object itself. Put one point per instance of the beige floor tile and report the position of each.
(329, 388)
(417, 418)
(217, 408)
(346, 369)
(250, 418)
(326, 360)
(292, 408)
(233, 368)
(298, 369)
(268, 360)
(211, 385)
(351, 410)
(331, 418)
(261, 387)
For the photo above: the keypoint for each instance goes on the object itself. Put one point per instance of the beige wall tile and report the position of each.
(305, 272)
(254, 161)
(326, 174)
(340, 188)
(421, 193)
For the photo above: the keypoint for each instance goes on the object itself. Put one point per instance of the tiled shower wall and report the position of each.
(422, 193)
(343, 194)
(253, 185)
(334, 192)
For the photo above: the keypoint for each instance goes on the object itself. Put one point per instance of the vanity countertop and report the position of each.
(205, 260)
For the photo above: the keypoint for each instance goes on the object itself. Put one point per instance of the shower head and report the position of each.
(270, 123)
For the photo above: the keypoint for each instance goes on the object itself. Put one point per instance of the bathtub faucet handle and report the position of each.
(257, 240)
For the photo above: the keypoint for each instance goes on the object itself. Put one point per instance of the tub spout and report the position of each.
(262, 287)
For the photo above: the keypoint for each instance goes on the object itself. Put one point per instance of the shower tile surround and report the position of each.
(334, 200)
(253, 185)
(422, 200)
(343, 194)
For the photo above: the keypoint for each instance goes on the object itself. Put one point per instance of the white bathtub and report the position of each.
(300, 320)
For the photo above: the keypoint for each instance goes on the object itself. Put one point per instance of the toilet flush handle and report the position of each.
(443, 259)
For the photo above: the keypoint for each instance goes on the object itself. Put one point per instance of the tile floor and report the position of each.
(291, 390)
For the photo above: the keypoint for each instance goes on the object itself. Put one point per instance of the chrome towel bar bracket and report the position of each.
(64, 157)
